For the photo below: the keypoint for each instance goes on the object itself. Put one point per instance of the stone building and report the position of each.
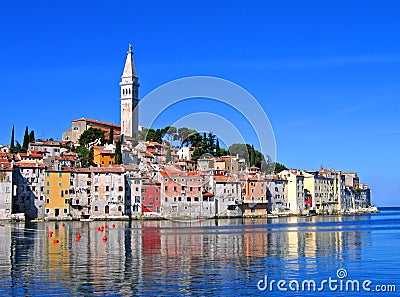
(6, 189)
(28, 178)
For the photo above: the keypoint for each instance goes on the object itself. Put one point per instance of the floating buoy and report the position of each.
(105, 226)
(113, 225)
(56, 241)
(50, 234)
(78, 237)
(104, 238)
(62, 225)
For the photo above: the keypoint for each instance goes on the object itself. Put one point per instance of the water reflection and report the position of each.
(145, 257)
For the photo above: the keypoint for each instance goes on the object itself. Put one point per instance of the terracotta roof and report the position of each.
(224, 179)
(109, 169)
(97, 122)
(29, 165)
(208, 194)
(45, 143)
(102, 150)
(178, 173)
(5, 165)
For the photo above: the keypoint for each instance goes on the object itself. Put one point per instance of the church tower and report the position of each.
(129, 97)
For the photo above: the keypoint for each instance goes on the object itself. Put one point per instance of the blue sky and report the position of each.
(327, 73)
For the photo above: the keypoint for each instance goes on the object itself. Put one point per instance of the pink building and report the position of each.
(151, 197)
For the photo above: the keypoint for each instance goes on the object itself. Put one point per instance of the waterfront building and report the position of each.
(129, 97)
(81, 125)
(57, 193)
(295, 190)
(28, 179)
(133, 205)
(322, 191)
(151, 198)
(183, 195)
(80, 193)
(228, 196)
(6, 188)
(276, 194)
(108, 192)
(254, 194)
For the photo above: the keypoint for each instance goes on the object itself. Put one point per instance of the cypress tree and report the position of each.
(217, 149)
(111, 138)
(32, 136)
(252, 156)
(25, 143)
(168, 158)
(12, 145)
(118, 153)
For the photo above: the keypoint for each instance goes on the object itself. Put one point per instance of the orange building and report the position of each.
(56, 185)
(104, 156)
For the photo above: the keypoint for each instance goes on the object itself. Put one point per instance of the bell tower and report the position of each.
(129, 97)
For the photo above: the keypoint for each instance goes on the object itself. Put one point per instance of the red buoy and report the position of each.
(104, 238)
(62, 224)
(113, 225)
(56, 241)
(78, 237)
(50, 234)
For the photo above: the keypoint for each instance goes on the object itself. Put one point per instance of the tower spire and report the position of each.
(129, 97)
(129, 69)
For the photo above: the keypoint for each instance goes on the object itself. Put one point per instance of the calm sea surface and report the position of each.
(213, 257)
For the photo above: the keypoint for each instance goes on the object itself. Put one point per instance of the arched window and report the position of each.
(107, 209)
(119, 208)
(96, 208)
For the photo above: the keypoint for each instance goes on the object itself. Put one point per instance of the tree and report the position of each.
(252, 156)
(118, 153)
(86, 156)
(168, 157)
(111, 136)
(25, 143)
(32, 136)
(90, 136)
(217, 149)
(12, 145)
(183, 134)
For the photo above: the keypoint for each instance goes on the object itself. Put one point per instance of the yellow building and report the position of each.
(104, 156)
(56, 185)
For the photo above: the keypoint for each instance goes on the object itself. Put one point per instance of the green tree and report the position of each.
(32, 136)
(118, 153)
(252, 156)
(25, 143)
(12, 142)
(111, 136)
(183, 134)
(86, 156)
(168, 157)
(217, 149)
(90, 136)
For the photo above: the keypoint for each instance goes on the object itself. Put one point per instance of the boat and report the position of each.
(86, 218)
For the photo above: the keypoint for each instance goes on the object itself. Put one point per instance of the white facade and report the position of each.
(129, 97)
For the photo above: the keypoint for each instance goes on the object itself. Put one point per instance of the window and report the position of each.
(47, 201)
(189, 199)
(137, 182)
(48, 174)
(7, 189)
(48, 192)
(107, 188)
(156, 190)
(196, 198)
(156, 197)
(120, 188)
(62, 193)
(174, 189)
(47, 210)
(60, 174)
(48, 183)
(143, 190)
(77, 201)
(66, 192)
(119, 208)
(143, 198)
(60, 184)
(166, 188)
(96, 188)
(66, 201)
(96, 208)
